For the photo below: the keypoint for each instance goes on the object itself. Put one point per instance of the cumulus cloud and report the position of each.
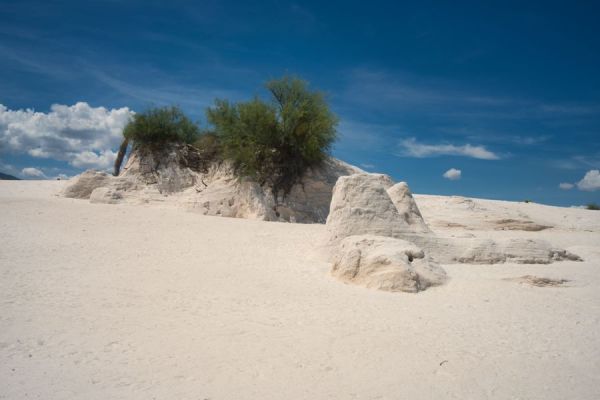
(411, 148)
(566, 186)
(591, 181)
(80, 134)
(453, 174)
(32, 172)
(90, 159)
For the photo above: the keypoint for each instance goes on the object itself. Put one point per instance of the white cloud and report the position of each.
(566, 186)
(90, 159)
(453, 174)
(591, 181)
(411, 148)
(80, 134)
(32, 172)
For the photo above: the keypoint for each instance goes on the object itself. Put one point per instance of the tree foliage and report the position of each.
(158, 126)
(273, 142)
(208, 146)
(276, 142)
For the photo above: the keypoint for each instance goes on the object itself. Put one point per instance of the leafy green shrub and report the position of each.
(208, 145)
(592, 206)
(276, 142)
(158, 126)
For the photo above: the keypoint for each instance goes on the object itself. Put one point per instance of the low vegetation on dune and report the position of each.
(209, 146)
(158, 126)
(155, 128)
(273, 142)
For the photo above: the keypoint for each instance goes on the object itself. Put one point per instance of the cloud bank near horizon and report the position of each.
(32, 172)
(82, 135)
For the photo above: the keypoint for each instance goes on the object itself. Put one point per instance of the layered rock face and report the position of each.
(178, 174)
(360, 205)
(464, 250)
(171, 168)
(310, 201)
(372, 204)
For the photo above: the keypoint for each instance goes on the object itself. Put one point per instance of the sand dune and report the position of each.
(106, 301)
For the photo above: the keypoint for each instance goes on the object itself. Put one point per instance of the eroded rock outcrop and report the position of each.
(360, 205)
(180, 175)
(170, 169)
(386, 264)
(406, 205)
(311, 199)
(369, 204)
(219, 192)
(82, 186)
(365, 231)
(473, 250)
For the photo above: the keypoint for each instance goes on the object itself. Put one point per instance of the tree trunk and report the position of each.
(121, 156)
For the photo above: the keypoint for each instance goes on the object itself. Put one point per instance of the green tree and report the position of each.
(156, 127)
(276, 142)
(208, 146)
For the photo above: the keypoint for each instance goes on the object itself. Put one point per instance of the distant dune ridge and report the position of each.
(377, 236)
(8, 177)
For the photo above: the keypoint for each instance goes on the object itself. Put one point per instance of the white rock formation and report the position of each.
(386, 264)
(310, 200)
(368, 204)
(360, 205)
(178, 174)
(473, 250)
(520, 251)
(220, 193)
(83, 185)
(171, 168)
(407, 207)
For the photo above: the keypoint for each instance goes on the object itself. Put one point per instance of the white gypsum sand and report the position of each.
(149, 301)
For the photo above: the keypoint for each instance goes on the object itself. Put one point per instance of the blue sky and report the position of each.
(508, 93)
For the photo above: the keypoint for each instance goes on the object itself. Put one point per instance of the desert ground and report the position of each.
(102, 301)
